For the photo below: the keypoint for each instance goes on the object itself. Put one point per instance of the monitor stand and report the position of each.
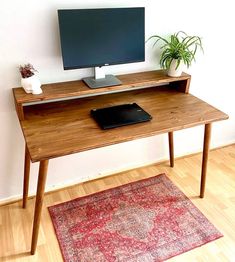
(101, 80)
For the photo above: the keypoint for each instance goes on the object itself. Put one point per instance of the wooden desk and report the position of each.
(65, 127)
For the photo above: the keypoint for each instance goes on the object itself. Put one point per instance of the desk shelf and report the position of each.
(73, 89)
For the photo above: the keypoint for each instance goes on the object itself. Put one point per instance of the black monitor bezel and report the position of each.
(101, 64)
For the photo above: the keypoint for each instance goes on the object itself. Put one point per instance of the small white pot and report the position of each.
(172, 71)
(31, 85)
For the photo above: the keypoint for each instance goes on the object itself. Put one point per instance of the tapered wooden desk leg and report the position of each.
(26, 177)
(171, 148)
(207, 136)
(38, 204)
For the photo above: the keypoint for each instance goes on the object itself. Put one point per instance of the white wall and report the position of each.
(29, 33)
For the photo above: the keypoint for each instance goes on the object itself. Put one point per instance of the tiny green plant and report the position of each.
(179, 46)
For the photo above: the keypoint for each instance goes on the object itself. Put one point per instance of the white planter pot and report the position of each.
(172, 71)
(31, 85)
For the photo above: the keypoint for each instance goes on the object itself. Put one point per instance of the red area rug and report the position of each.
(145, 221)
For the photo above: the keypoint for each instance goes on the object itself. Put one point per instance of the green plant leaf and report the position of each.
(180, 46)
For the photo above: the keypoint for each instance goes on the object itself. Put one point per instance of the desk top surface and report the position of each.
(66, 127)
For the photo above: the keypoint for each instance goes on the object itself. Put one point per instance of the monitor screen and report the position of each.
(98, 37)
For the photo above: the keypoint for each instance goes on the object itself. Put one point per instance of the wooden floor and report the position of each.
(218, 206)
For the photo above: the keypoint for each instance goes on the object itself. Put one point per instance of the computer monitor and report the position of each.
(101, 37)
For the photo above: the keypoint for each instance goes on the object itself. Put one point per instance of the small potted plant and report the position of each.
(177, 51)
(29, 81)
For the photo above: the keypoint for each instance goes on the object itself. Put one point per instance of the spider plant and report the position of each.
(180, 47)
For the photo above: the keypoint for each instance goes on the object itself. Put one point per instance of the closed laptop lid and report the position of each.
(120, 115)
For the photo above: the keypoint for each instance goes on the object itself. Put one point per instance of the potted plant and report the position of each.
(29, 81)
(177, 51)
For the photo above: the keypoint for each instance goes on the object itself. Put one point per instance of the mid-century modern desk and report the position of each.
(65, 127)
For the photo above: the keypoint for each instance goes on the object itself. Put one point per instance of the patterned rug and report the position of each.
(144, 221)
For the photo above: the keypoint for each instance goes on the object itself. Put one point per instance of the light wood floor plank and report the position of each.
(218, 206)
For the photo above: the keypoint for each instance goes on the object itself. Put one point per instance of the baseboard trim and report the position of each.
(18, 198)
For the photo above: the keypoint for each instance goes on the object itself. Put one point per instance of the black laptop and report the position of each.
(120, 115)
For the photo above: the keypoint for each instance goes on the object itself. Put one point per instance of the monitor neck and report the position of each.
(99, 72)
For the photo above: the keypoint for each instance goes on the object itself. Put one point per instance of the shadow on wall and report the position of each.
(12, 155)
